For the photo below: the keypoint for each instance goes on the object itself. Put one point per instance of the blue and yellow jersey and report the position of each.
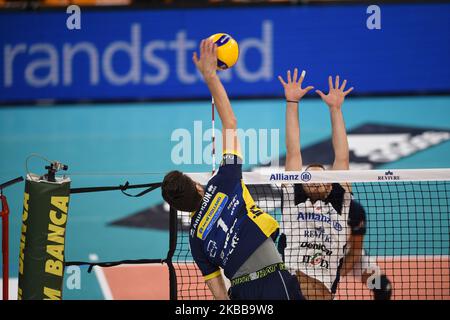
(228, 227)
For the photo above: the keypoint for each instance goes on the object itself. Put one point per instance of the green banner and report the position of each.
(41, 258)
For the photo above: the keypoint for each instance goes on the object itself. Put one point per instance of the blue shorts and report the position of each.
(279, 285)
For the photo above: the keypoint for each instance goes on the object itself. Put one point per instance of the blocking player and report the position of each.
(323, 225)
(228, 231)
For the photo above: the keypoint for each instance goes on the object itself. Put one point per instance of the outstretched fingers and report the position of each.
(202, 47)
(209, 46)
(289, 80)
(308, 88)
(348, 91)
(337, 86)
(302, 77)
(195, 58)
(282, 81)
(212, 46)
(294, 79)
(330, 82)
(320, 93)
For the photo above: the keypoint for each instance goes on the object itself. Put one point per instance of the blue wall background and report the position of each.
(147, 54)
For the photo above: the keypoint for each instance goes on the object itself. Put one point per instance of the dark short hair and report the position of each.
(180, 192)
(314, 165)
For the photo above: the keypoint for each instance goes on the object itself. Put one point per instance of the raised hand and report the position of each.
(336, 95)
(293, 88)
(207, 63)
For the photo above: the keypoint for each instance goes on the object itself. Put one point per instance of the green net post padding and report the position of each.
(42, 240)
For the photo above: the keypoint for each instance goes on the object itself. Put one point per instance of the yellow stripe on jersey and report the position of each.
(263, 220)
(215, 274)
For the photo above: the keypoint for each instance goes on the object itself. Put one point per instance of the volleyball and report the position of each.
(227, 50)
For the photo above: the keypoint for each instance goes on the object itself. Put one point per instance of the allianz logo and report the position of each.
(304, 176)
(320, 218)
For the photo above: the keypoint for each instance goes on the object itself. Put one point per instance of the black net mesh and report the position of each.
(405, 248)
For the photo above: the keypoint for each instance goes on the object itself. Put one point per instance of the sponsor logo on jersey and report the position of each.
(317, 233)
(320, 217)
(231, 234)
(234, 203)
(205, 201)
(212, 248)
(316, 260)
(234, 242)
(212, 188)
(195, 224)
(211, 216)
(316, 246)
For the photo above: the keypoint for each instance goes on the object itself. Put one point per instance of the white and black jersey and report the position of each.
(316, 234)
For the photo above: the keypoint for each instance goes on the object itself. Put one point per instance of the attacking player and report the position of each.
(323, 226)
(228, 230)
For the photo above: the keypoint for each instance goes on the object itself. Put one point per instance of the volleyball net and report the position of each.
(406, 238)
(395, 225)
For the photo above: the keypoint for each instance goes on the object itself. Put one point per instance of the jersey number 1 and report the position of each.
(222, 225)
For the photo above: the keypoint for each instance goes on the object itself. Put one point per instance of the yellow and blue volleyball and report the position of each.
(227, 50)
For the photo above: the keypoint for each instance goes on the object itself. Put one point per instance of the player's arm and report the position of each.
(218, 288)
(211, 273)
(207, 64)
(353, 253)
(334, 99)
(357, 224)
(293, 93)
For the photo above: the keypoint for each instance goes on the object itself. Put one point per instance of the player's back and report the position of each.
(229, 226)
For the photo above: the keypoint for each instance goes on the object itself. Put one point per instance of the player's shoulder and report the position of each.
(357, 218)
(339, 187)
(346, 186)
(337, 193)
(356, 206)
(341, 192)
